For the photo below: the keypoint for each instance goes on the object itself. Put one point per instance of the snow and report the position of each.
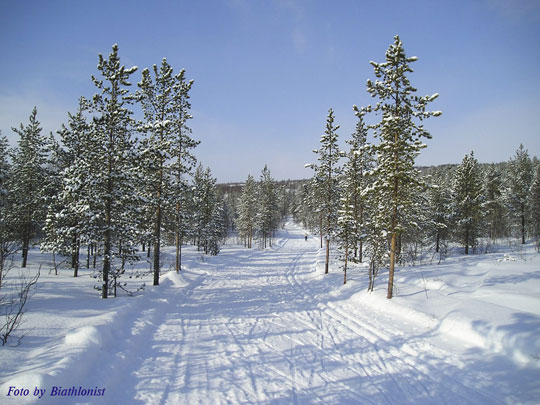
(267, 326)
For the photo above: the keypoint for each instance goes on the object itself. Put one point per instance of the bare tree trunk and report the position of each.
(327, 255)
(320, 227)
(157, 242)
(392, 265)
(345, 265)
(523, 225)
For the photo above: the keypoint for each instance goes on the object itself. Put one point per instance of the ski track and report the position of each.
(254, 331)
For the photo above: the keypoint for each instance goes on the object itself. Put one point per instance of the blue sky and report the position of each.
(266, 72)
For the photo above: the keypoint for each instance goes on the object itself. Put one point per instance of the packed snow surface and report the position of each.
(267, 326)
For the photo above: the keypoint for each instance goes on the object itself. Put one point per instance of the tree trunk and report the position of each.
(467, 241)
(157, 242)
(392, 265)
(345, 265)
(76, 255)
(320, 227)
(522, 226)
(327, 255)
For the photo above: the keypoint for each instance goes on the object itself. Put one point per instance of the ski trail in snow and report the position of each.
(259, 328)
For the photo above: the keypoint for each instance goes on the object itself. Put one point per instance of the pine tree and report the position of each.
(355, 171)
(439, 212)
(27, 181)
(113, 151)
(247, 209)
(520, 173)
(208, 216)
(184, 162)
(8, 239)
(534, 204)
(467, 200)
(325, 183)
(494, 210)
(400, 141)
(267, 215)
(163, 102)
(68, 224)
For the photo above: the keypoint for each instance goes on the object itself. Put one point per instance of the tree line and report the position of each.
(109, 183)
(377, 206)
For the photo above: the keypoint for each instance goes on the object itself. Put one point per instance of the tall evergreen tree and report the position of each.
(439, 212)
(183, 161)
(67, 224)
(326, 182)
(267, 215)
(468, 199)
(209, 227)
(247, 210)
(534, 204)
(494, 210)
(355, 174)
(8, 239)
(400, 141)
(113, 151)
(27, 181)
(163, 102)
(520, 173)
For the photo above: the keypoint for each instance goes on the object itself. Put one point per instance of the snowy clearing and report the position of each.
(253, 326)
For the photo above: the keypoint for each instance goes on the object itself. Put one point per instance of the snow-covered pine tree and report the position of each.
(534, 204)
(467, 200)
(325, 183)
(247, 209)
(355, 171)
(27, 182)
(184, 162)
(352, 212)
(115, 183)
(163, 102)
(267, 215)
(208, 215)
(8, 243)
(400, 137)
(346, 225)
(494, 209)
(439, 212)
(69, 212)
(520, 176)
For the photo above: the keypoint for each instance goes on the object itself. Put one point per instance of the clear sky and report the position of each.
(266, 72)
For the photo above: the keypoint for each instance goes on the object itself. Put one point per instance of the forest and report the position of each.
(108, 187)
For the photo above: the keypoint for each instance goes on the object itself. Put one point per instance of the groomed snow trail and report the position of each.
(259, 328)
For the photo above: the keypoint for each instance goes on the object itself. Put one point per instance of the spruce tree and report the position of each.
(468, 200)
(520, 176)
(27, 182)
(400, 132)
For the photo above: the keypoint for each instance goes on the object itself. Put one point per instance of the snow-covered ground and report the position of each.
(254, 326)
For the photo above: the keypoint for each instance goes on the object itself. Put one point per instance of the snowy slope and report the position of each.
(252, 326)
